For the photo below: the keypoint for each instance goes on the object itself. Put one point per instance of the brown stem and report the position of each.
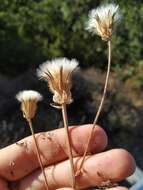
(38, 154)
(100, 106)
(68, 141)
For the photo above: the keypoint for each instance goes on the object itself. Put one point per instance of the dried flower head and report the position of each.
(58, 73)
(103, 19)
(28, 99)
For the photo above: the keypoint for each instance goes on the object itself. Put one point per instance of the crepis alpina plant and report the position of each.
(28, 100)
(102, 21)
(58, 74)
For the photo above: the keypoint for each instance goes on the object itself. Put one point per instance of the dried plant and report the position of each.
(58, 74)
(103, 19)
(102, 22)
(28, 100)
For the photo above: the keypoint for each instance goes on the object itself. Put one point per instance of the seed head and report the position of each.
(28, 99)
(58, 73)
(102, 20)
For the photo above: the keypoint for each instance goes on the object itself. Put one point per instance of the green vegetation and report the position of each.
(35, 30)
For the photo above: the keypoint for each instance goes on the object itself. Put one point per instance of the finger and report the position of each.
(113, 165)
(18, 160)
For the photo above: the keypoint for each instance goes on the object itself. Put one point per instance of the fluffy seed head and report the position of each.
(58, 73)
(102, 20)
(28, 99)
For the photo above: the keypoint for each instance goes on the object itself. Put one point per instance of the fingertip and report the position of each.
(80, 137)
(103, 137)
(128, 165)
(99, 139)
(115, 164)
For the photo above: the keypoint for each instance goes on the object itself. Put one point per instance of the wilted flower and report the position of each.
(28, 99)
(58, 73)
(103, 19)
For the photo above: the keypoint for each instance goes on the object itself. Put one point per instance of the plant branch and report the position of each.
(38, 154)
(100, 106)
(68, 141)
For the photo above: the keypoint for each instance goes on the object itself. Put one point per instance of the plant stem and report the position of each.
(68, 141)
(100, 106)
(38, 154)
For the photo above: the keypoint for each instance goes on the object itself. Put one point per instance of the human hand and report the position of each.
(19, 167)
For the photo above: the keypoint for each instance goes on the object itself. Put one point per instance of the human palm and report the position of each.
(19, 167)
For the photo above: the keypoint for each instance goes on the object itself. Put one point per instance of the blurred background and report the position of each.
(36, 30)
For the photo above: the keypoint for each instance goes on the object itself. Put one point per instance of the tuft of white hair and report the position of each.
(55, 65)
(106, 13)
(27, 95)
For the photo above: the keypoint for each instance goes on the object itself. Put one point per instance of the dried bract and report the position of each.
(28, 99)
(103, 19)
(58, 73)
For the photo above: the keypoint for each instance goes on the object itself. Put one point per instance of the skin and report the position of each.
(19, 168)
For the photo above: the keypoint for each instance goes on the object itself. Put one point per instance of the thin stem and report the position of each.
(68, 141)
(38, 154)
(100, 106)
